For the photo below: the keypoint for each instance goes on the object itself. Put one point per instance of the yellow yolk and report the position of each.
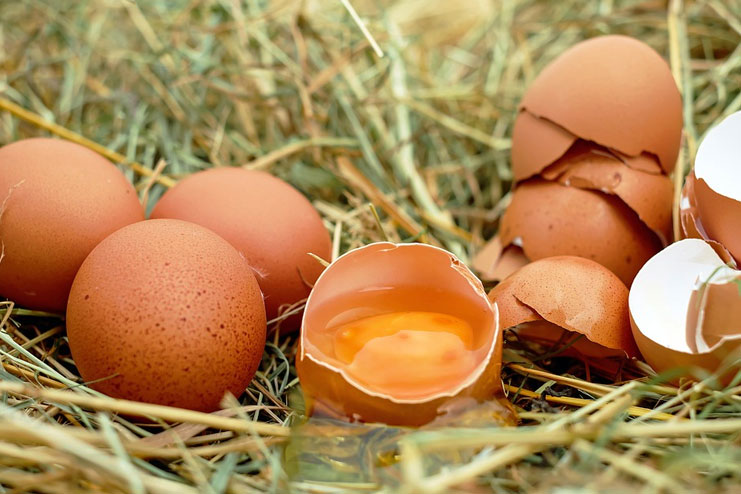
(407, 353)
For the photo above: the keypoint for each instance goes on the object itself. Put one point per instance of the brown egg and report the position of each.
(570, 293)
(685, 309)
(166, 312)
(58, 200)
(548, 219)
(266, 219)
(615, 91)
(396, 333)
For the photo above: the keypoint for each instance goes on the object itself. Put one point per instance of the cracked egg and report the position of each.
(597, 134)
(394, 333)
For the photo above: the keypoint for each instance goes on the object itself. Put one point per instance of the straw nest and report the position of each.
(169, 87)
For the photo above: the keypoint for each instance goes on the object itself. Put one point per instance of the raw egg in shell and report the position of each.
(393, 332)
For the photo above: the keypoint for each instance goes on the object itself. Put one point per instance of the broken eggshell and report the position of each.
(711, 199)
(685, 308)
(549, 219)
(568, 293)
(588, 167)
(403, 277)
(615, 91)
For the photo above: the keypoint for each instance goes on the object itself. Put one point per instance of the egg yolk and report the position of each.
(407, 354)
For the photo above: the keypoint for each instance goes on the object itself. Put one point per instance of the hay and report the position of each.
(168, 87)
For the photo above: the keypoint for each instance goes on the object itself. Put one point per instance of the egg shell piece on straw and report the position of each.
(572, 293)
(391, 278)
(665, 316)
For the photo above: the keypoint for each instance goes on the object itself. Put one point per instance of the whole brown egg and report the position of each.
(58, 200)
(166, 312)
(263, 217)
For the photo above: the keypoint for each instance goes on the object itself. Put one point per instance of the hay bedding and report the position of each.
(170, 87)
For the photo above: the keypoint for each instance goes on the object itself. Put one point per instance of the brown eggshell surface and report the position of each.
(615, 91)
(166, 312)
(573, 293)
(720, 217)
(550, 219)
(411, 277)
(265, 218)
(649, 195)
(58, 200)
(536, 143)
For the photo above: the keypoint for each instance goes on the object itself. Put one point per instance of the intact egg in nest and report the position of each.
(166, 312)
(394, 332)
(711, 198)
(550, 299)
(58, 200)
(604, 117)
(685, 308)
(272, 224)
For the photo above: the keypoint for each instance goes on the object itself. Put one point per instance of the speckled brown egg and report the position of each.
(166, 312)
(265, 218)
(57, 201)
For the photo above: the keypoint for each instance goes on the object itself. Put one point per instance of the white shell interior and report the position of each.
(718, 160)
(661, 290)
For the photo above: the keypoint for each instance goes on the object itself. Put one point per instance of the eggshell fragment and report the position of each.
(58, 200)
(536, 143)
(549, 219)
(166, 312)
(670, 327)
(691, 225)
(649, 195)
(615, 91)
(272, 224)
(494, 263)
(399, 277)
(571, 293)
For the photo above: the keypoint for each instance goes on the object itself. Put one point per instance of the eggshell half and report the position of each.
(662, 302)
(572, 293)
(548, 219)
(166, 312)
(615, 91)
(649, 195)
(58, 200)
(429, 270)
(272, 224)
(536, 143)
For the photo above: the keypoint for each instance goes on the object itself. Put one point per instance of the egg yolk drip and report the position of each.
(407, 354)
